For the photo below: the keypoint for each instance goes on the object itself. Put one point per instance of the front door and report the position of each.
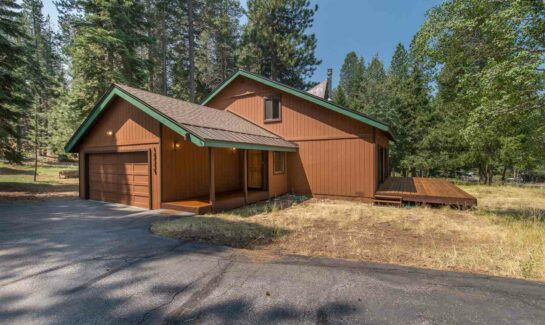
(255, 169)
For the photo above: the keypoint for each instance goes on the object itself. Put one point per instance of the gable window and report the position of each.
(273, 109)
(279, 162)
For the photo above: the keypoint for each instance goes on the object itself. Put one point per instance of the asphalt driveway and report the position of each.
(87, 262)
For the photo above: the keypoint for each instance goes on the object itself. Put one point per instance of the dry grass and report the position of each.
(504, 236)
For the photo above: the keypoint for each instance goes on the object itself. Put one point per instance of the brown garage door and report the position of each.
(120, 178)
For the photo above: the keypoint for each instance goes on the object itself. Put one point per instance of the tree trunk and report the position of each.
(503, 175)
(191, 51)
(164, 48)
(36, 145)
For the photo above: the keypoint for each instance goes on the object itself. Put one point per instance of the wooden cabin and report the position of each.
(252, 139)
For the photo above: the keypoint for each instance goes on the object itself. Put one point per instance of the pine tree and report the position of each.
(12, 84)
(106, 45)
(275, 42)
(488, 59)
(372, 95)
(339, 96)
(351, 77)
(216, 50)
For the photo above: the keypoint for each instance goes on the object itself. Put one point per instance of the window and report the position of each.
(279, 162)
(272, 109)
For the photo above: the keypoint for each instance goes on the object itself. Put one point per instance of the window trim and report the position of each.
(273, 120)
(284, 165)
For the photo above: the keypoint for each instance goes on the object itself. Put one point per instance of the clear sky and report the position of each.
(368, 27)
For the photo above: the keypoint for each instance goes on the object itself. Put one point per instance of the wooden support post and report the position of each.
(212, 176)
(245, 182)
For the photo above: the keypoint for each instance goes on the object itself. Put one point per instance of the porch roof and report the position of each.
(204, 126)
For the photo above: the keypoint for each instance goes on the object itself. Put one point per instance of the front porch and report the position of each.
(224, 201)
(210, 179)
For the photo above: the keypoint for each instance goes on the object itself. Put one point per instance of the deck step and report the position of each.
(388, 200)
(187, 208)
(388, 197)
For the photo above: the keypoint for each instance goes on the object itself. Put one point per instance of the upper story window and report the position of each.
(273, 109)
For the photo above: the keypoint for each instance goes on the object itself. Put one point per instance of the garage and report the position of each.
(120, 178)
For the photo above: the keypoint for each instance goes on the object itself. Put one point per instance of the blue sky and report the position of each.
(368, 27)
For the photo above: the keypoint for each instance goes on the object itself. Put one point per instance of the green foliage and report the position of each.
(488, 59)
(12, 85)
(351, 77)
(275, 42)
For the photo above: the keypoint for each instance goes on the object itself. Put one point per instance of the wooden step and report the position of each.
(197, 209)
(388, 197)
(388, 200)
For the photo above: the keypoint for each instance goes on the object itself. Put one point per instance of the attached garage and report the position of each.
(120, 178)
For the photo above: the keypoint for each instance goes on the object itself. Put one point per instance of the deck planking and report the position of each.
(425, 190)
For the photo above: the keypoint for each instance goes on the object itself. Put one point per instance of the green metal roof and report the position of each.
(200, 135)
(304, 95)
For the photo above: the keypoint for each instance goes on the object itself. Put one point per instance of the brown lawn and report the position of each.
(504, 235)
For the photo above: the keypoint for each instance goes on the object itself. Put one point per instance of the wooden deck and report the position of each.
(421, 190)
(224, 201)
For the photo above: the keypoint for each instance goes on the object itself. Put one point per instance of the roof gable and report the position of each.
(203, 126)
(304, 95)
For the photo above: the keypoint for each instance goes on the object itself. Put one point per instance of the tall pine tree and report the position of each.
(12, 83)
(351, 77)
(275, 42)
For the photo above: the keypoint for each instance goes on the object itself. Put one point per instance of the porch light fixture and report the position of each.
(110, 133)
(176, 145)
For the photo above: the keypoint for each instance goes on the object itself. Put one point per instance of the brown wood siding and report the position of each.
(332, 168)
(185, 171)
(278, 183)
(337, 154)
(128, 124)
(132, 131)
(301, 120)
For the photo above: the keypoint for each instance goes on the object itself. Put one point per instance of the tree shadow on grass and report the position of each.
(526, 213)
(13, 171)
(37, 187)
(218, 231)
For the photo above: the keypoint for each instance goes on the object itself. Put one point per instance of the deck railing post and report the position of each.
(245, 182)
(212, 176)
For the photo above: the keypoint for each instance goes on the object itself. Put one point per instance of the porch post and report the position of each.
(212, 176)
(245, 182)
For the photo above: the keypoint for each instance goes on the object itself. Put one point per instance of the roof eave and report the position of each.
(114, 91)
(108, 96)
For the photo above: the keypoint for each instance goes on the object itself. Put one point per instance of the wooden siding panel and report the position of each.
(300, 119)
(278, 183)
(332, 168)
(336, 155)
(185, 170)
(128, 124)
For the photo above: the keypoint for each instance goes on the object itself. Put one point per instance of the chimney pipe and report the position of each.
(329, 83)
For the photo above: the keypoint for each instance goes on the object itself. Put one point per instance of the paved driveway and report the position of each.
(88, 262)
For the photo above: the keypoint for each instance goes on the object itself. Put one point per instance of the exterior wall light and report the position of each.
(109, 133)
(176, 145)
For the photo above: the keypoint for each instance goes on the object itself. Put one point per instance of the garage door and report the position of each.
(120, 178)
